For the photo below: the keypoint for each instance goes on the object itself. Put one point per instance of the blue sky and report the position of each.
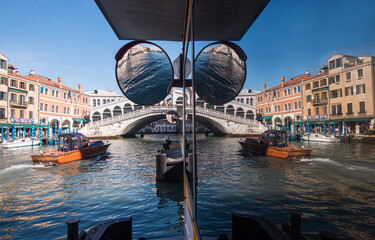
(72, 40)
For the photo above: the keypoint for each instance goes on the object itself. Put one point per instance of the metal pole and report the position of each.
(40, 136)
(193, 113)
(72, 228)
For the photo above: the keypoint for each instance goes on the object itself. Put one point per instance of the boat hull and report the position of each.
(280, 152)
(20, 143)
(64, 157)
(319, 138)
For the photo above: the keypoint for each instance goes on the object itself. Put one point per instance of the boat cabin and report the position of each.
(72, 141)
(276, 138)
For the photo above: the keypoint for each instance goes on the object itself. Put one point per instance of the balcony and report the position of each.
(317, 102)
(22, 104)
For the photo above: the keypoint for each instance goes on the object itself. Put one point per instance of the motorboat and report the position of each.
(22, 142)
(72, 147)
(273, 143)
(317, 137)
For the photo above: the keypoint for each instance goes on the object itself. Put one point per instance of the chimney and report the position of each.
(59, 80)
(307, 72)
(264, 87)
(79, 88)
(107, 89)
(282, 81)
(31, 72)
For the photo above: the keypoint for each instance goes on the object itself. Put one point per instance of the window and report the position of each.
(13, 97)
(2, 113)
(339, 62)
(31, 87)
(317, 111)
(332, 65)
(52, 108)
(308, 86)
(105, 101)
(299, 104)
(46, 107)
(337, 78)
(289, 106)
(275, 108)
(308, 98)
(251, 101)
(335, 63)
(285, 107)
(31, 115)
(308, 112)
(349, 108)
(64, 95)
(46, 92)
(285, 92)
(3, 95)
(360, 73)
(3, 64)
(323, 82)
(13, 83)
(57, 94)
(57, 109)
(324, 95)
(361, 89)
(4, 81)
(336, 93)
(295, 105)
(41, 107)
(64, 109)
(325, 110)
(22, 85)
(12, 113)
(289, 91)
(31, 100)
(68, 110)
(349, 91)
(316, 84)
(22, 114)
(278, 108)
(77, 111)
(348, 76)
(294, 90)
(299, 88)
(53, 93)
(247, 100)
(278, 94)
(331, 80)
(362, 107)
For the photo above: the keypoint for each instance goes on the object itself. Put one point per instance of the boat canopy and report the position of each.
(72, 141)
(275, 138)
(214, 20)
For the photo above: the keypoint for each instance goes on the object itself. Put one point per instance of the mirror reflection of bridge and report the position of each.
(126, 118)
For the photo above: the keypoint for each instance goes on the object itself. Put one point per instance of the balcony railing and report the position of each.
(23, 104)
(319, 101)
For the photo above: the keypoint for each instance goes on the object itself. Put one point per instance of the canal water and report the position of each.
(334, 188)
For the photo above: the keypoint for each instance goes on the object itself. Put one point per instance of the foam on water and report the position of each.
(347, 166)
(21, 166)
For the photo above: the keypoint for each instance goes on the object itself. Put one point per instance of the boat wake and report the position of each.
(329, 161)
(21, 166)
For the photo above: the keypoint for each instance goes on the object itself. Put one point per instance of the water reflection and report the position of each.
(144, 73)
(220, 73)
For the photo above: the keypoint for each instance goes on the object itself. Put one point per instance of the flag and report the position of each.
(274, 93)
(69, 95)
(74, 94)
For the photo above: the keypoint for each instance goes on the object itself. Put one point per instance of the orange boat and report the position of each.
(274, 143)
(72, 147)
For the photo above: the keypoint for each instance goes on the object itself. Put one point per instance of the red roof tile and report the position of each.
(292, 81)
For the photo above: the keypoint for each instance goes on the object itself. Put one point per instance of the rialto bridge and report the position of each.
(125, 118)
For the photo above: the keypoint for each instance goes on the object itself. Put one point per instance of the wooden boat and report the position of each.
(23, 142)
(72, 147)
(274, 143)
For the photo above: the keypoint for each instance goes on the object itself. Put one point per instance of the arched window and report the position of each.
(230, 109)
(94, 103)
(98, 102)
(128, 108)
(200, 102)
(247, 100)
(250, 114)
(251, 101)
(96, 116)
(104, 101)
(220, 108)
(241, 100)
(240, 112)
(179, 100)
(117, 111)
(107, 113)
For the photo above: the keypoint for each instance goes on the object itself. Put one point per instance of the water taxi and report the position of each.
(72, 147)
(23, 142)
(317, 137)
(273, 143)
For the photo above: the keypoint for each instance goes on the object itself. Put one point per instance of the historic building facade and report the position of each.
(61, 104)
(342, 94)
(281, 105)
(102, 97)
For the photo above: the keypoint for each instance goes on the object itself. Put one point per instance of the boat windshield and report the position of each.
(284, 139)
(272, 139)
(64, 143)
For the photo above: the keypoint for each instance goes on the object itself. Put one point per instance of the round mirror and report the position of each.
(220, 72)
(144, 72)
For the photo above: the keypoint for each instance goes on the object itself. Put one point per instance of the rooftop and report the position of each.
(103, 93)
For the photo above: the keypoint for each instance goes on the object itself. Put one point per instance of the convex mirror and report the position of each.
(220, 72)
(144, 72)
